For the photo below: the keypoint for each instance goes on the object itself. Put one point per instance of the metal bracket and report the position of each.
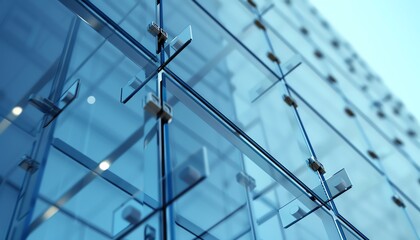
(246, 180)
(171, 51)
(304, 31)
(372, 154)
(387, 97)
(315, 165)
(152, 105)
(411, 133)
(364, 88)
(290, 101)
(396, 111)
(28, 164)
(252, 3)
(259, 24)
(46, 106)
(331, 79)
(153, 29)
(318, 54)
(157, 32)
(162, 37)
(273, 57)
(304, 205)
(131, 214)
(398, 142)
(335, 43)
(380, 114)
(349, 112)
(149, 232)
(398, 201)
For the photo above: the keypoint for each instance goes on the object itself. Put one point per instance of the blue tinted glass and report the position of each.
(201, 119)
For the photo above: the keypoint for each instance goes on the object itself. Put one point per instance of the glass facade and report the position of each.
(197, 119)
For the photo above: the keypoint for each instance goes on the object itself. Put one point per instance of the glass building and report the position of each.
(197, 119)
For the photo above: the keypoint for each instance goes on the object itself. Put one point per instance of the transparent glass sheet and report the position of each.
(219, 179)
(69, 188)
(133, 140)
(317, 92)
(133, 16)
(394, 164)
(29, 58)
(226, 76)
(98, 107)
(308, 13)
(84, 205)
(242, 26)
(63, 226)
(368, 204)
(11, 186)
(353, 91)
(356, 98)
(353, 127)
(15, 144)
(100, 149)
(235, 157)
(286, 38)
(20, 144)
(202, 176)
(61, 174)
(318, 32)
(413, 213)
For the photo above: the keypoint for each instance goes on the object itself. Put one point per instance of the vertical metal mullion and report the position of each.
(163, 167)
(167, 211)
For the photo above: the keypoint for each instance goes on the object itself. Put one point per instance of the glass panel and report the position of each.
(370, 197)
(10, 189)
(63, 226)
(227, 76)
(133, 16)
(15, 145)
(394, 163)
(104, 151)
(359, 132)
(244, 28)
(98, 107)
(71, 189)
(30, 46)
(235, 173)
(413, 213)
(317, 92)
(290, 38)
(320, 35)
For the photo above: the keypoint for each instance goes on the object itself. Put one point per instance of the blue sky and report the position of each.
(386, 34)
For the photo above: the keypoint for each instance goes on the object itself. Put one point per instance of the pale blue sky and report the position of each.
(386, 34)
